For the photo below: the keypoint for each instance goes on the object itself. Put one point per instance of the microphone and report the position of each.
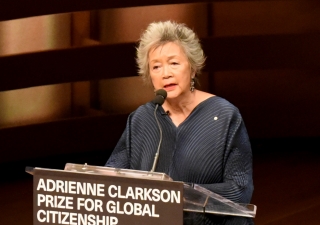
(161, 95)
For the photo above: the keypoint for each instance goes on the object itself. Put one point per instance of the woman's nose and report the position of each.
(166, 72)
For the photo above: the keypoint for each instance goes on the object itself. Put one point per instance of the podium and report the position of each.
(94, 195)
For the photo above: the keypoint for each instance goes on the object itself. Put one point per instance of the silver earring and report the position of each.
(192, 85)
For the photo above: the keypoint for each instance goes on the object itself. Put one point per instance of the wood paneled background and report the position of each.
(68, 81)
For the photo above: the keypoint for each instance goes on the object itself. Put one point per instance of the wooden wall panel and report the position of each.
(13, 9)
(67, 136)
(296, 51)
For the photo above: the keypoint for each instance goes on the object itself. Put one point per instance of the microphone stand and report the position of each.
(158, 150)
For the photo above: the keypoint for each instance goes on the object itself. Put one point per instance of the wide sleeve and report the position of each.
(237, 184)
(120, 156)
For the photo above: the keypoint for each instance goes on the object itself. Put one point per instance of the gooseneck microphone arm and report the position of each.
(158, 149)
(159, 100)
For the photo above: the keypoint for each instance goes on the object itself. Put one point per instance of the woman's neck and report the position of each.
(184, 105)
(179, 110)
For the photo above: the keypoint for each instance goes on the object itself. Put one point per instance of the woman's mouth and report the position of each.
(169, 86)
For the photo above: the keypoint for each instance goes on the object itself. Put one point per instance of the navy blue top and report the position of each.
(210, 148)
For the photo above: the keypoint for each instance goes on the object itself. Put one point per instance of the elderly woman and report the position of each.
(204, 141)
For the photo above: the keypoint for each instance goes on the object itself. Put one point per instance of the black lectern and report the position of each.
(93, 195)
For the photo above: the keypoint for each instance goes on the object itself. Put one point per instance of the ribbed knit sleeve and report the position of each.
(237, 184)
(119, 157)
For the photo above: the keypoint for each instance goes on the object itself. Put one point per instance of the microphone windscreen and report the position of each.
(158, 100)
(160, 97)
(162, 92)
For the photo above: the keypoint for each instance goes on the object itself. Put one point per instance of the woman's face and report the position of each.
(170, 69)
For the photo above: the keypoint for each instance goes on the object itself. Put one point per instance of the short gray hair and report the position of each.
(160, 33)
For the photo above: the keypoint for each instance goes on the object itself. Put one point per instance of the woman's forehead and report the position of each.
(169, 49)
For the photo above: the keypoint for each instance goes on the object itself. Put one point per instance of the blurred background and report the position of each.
(68, 80)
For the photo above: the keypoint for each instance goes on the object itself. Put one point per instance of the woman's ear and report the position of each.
(193, 75)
